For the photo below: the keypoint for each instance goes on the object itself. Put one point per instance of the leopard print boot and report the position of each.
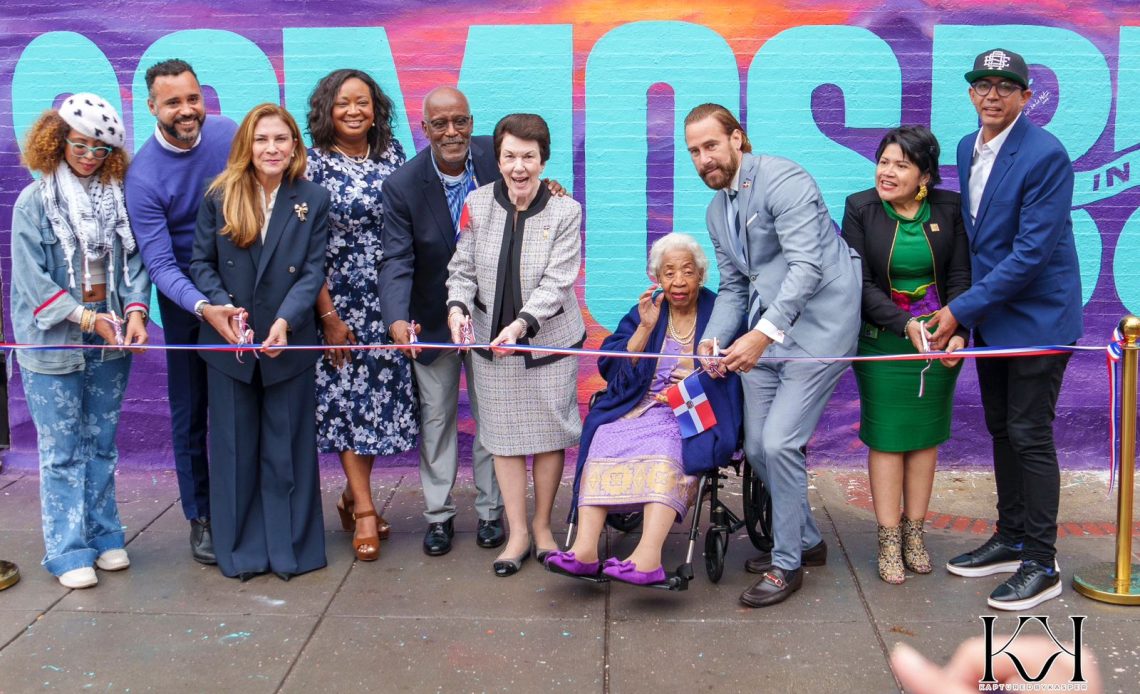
(915, 556)
(890, 555)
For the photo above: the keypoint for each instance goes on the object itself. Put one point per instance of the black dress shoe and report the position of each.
(437, 539)
(490, 533)
(994, 557)
(202, 541)
(812, 556)
(283, 576)
(247, 576)
(776, 585)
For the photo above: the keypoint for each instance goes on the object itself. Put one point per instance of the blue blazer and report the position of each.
(277, 278)
(626, 384)
(418, 238)
(1027, 282)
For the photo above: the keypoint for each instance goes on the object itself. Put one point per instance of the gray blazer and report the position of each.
(550, 259)
(808, 281)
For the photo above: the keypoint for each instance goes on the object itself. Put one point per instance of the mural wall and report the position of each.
(815, 81)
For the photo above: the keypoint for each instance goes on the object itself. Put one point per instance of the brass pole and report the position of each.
(1117, 583)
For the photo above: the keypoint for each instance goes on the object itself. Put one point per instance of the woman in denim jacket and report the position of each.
(77, 278)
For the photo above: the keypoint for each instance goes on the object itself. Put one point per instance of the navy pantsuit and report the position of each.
(264, 479)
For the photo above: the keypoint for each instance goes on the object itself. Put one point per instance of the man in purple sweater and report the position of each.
(164, 187)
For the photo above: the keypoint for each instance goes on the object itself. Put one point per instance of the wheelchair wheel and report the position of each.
(624, 522)
(716, 545)
(757, 510)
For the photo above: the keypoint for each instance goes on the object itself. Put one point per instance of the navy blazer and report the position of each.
(277, 278)
(418, 238)
(870, 232)
(626, 384)
(1027, 282)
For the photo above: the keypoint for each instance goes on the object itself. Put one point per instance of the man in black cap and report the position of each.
(1017, 192)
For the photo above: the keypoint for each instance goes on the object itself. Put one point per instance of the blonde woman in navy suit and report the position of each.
(260, 246)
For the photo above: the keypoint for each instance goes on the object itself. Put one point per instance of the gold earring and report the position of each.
(922, 193)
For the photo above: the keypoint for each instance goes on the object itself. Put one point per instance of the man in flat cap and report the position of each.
(1017, 191)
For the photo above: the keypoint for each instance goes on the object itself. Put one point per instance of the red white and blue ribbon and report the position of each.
(1113, 352)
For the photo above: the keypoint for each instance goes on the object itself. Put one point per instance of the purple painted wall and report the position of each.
(816, 81)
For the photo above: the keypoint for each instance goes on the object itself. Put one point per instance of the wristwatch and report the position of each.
(200, 309)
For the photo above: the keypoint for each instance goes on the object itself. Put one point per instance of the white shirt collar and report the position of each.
(734, 185)
(995, 144)
(162, 141)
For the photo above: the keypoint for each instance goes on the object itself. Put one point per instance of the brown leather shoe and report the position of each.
(776, 585)
(9, 575)
(812, 556)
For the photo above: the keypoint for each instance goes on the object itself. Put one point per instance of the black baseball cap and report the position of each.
(998, 62)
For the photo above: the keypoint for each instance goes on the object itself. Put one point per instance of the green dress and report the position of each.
(893, 418)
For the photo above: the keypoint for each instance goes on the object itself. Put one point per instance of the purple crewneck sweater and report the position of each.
(163, 191)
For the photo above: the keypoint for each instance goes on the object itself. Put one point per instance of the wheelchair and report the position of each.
(723, 521)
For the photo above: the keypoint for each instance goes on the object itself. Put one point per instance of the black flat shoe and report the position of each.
(490, 534)
(202, 541)
(776, 585)
(246, 576)
(541, 554)
(437, 539)
(510, 567)
(283, 576)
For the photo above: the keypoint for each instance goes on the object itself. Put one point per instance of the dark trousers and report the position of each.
(265, 485)
(1019, 398)
(186, 383)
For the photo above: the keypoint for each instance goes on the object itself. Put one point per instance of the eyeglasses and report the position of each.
(982, 87)
(439, 125)
(80, 150)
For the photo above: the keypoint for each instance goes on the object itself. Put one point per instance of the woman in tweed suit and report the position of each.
(512, 281)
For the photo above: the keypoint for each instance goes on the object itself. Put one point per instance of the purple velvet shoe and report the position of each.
(567, 564)
(627, 572)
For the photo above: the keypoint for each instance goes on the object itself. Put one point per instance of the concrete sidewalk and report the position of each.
(413, 623)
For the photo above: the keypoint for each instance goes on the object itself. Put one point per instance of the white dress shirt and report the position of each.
(985, 154)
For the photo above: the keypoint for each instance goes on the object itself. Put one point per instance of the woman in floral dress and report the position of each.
(365, 399)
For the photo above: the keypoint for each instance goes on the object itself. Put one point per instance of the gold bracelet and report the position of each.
(87, 320)
(328, 313)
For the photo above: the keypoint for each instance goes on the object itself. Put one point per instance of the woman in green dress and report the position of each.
(916, 259)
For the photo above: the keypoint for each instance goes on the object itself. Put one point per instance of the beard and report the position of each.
(172, 130)
(719, 176)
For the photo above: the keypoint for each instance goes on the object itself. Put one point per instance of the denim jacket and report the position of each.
(41, 299)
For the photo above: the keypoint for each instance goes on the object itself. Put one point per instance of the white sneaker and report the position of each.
(113, 560)
(83, 577)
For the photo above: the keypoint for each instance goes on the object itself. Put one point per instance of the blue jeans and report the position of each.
(76, 417)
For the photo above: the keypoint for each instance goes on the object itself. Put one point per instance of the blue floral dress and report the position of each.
(369, 405)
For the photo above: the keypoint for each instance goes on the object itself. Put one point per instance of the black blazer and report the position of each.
(418, 238)
(279, 278)
(871, 232)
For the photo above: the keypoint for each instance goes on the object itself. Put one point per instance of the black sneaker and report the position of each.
(1032, 585)
(994, 557)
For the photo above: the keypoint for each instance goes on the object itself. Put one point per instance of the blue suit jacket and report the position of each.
(626, 384)
(1027, 282)
(279, 278)
(418, 238)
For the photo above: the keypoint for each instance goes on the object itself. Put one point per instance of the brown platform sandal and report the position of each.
(344, 508)
(372, 541)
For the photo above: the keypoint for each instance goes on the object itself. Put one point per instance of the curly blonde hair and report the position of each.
(45, 143)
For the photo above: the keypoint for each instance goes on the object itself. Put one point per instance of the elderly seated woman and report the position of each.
(632, 455)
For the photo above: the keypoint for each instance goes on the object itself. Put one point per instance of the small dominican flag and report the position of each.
(691, 406)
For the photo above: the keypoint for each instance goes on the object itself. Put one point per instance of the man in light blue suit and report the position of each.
(1017, 190)
(793, 285)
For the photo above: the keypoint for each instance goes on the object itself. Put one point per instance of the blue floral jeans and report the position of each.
(76, 417)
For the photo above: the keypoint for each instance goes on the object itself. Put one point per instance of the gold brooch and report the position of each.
(301, 210)
(934, 227)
